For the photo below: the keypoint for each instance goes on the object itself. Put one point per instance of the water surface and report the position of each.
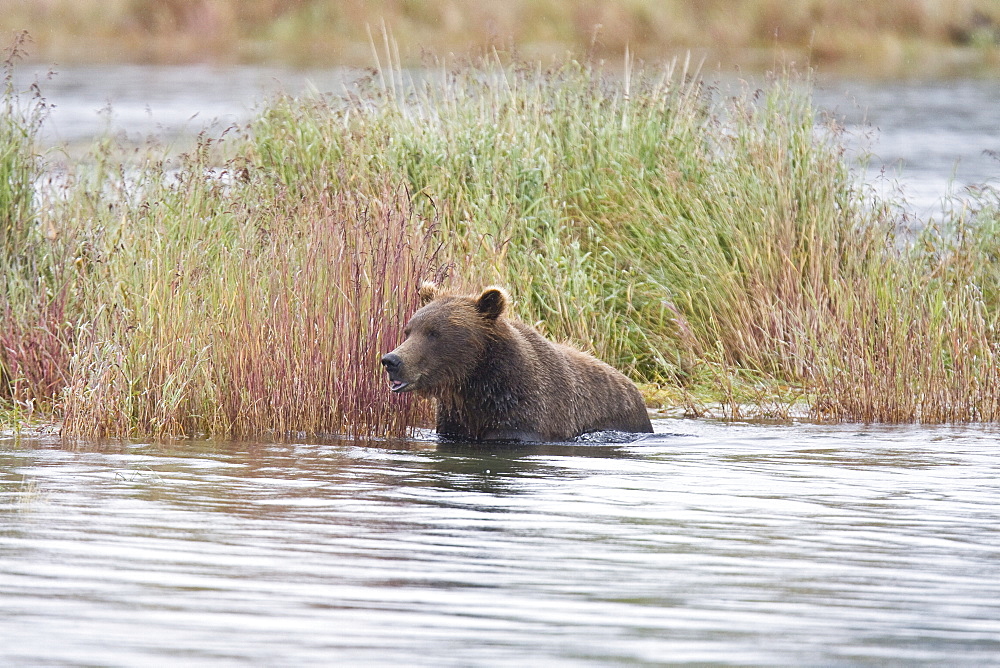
(707, 542)
(932, 138)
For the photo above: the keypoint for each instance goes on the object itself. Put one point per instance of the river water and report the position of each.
(708, 542)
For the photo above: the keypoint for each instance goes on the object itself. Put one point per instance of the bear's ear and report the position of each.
(492, 303)
(427, 293)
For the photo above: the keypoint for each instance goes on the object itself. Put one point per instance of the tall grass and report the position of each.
(146, 295)
(216, 312)
(922, 344)
(35, 337)
(672, 228)
(19, 123)
(688, 234)
(626, 212)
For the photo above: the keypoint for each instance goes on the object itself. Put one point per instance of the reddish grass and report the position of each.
(282, 335)
(35, 351)
(304, 352)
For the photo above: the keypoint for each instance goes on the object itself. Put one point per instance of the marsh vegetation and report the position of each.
(713, 244)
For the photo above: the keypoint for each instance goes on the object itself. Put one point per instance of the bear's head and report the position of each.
(444, 340)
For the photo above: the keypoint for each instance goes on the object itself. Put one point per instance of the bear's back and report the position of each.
(578, 393)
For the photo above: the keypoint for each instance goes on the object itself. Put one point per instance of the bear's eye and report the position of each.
(432, 334)
(406, 333)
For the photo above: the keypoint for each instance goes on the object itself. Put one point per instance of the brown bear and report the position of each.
(498, 379)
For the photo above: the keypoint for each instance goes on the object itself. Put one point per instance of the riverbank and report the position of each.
(890, 38)
(717, 248)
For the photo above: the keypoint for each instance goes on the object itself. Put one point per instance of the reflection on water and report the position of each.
(707, 542)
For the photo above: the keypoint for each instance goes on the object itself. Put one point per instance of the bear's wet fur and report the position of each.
(495, 378)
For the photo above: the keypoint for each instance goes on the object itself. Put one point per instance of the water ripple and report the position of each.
(708, 542)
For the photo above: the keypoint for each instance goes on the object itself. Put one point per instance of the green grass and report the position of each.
(711, 243)
(18, 163)
(642, 217)
(33, 335)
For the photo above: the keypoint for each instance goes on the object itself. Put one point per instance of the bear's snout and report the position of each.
(393, 364)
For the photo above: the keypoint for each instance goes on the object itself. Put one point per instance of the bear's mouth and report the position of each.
(399, 385)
